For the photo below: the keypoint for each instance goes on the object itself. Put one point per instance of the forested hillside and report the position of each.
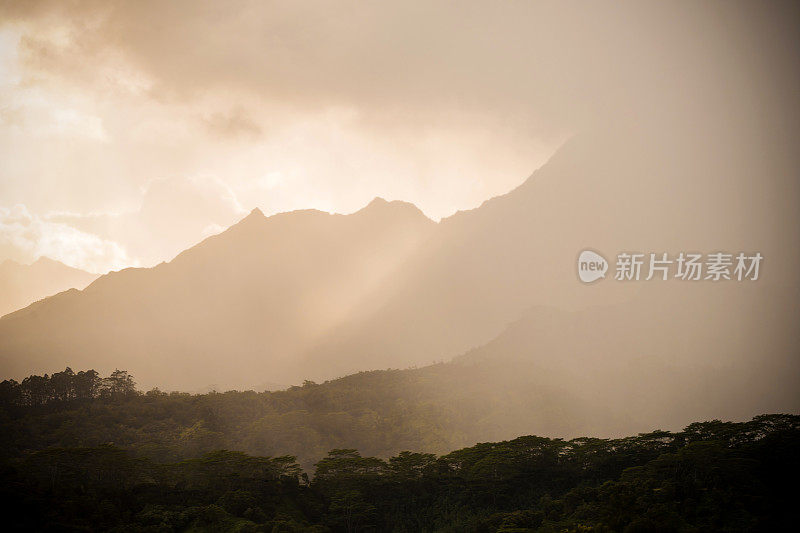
(530, 380)
(713, 476)
(433, 409)
(369, 452)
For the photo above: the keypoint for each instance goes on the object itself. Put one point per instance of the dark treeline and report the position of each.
(66, 386)
(713, 476)
(81, 452)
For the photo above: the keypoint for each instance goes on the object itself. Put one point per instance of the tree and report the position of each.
(119, 384)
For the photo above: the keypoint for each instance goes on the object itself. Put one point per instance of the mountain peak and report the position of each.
(44, 260)
(381, 205)
(377, 201)
(255, 216)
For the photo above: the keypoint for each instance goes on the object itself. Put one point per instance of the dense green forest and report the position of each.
(81, 452)
(434, 409)
(379, 413)
(712, 476)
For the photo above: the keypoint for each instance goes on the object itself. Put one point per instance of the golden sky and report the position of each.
(131, 130)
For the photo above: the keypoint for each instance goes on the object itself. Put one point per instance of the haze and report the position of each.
(210, 144)
(131, 130)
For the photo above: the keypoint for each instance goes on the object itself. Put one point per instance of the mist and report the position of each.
(299, 229)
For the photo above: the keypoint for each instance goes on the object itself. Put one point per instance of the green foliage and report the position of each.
(379, 413)
(701, 479)
(66, 387)
(123, 461)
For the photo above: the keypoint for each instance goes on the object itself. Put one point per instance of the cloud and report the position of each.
(25, 237)
(41, 120)
(545, 65)
(440, 104)
(175, 213)
(233, 124)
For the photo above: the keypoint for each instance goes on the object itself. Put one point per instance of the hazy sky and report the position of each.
(130, 130)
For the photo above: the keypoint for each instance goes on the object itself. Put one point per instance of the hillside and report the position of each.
(553, 373)
(712, 476)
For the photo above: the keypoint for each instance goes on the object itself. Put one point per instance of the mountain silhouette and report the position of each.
(21, 285)
(311, 295)
(231, 311)
(636, 189)
(605, 370)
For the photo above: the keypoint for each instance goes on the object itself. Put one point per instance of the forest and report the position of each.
(434, 409)
(379, 413)
(81, 452)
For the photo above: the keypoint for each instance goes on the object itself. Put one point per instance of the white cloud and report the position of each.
(25, 237)
(31, 110)
(175, 213)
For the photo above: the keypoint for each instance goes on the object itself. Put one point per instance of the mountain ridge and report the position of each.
(262, 265)
(314, 295)
(22, 285)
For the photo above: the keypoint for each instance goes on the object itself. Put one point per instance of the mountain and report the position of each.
(309, 295)
(639, 188)
(231, 311)
(726, 352)
(21, 285)
(552, 372)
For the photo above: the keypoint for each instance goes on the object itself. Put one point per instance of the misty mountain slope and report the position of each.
(554, 373)
(308, 295)
(729, 352)
(631, 189)
(618, 368)
(230, 311)
(21, 285)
